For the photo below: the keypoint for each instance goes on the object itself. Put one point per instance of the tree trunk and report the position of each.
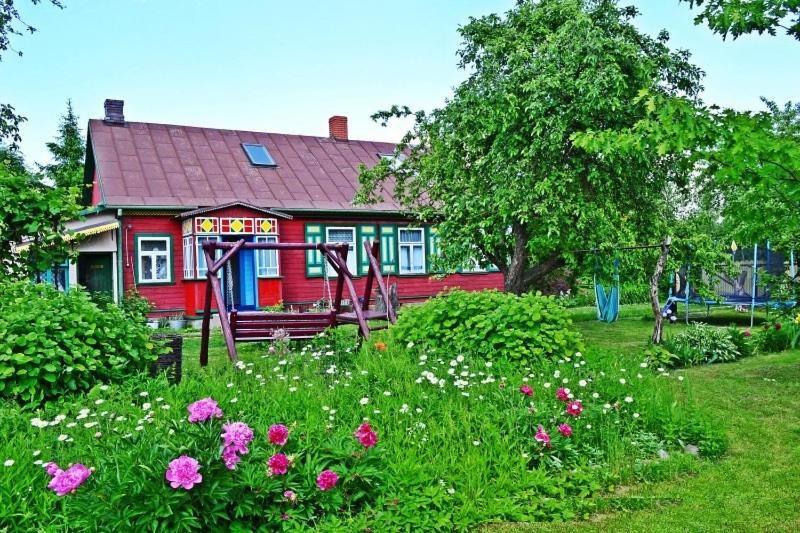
(658, 326)
(515, 274)
(518, 277)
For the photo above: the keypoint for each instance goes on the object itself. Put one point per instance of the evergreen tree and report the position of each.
(68, 152)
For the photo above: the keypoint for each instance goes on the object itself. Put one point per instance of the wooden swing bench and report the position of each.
(256, 326)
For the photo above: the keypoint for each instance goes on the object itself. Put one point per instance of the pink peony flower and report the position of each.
(278, 434)
(562, 394)
(526, 390)
(230, 458)
(51, 468)
(237, 435)
(284, 516)
(747, 333)
(366, 436)
(542, 436)
(327, 479)
(202, 410)
(290, 495)
(565, 429)
(575, 408)
(278, 464)
(67, 481)
(184, 472)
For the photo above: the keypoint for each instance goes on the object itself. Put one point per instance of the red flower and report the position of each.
(562, 394)
(526, 390)
(777, 326)
(747, 333)
(575, 408)
(542, 436)
(366, 436)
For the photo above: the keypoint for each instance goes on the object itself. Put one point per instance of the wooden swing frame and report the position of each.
(252, 326)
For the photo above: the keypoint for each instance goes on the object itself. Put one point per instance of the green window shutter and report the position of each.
(315, 234)
(366, 232)
(389, 249)
(432, 241)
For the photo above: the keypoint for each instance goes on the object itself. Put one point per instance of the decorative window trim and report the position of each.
(266, 226)
(138, 238)
(410, 244)
(198, 225)
(225, 223)
(277, 272)
(352, 256)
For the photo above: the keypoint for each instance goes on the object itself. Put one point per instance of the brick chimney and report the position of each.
(337, 128)
(114, 112)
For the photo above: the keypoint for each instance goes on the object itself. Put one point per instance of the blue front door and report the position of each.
(248, 298)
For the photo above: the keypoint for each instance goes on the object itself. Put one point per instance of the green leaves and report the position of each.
(499, 168)
(737, 18)
(528, 329)
(55, 342)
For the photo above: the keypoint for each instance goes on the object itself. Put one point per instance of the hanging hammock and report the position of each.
(607, 303)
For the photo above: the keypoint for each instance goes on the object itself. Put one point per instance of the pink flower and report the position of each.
(747, 333)
(542, 436)
(278, 464)
(562, 394)
(237, 435)
(51, 468)
(278, 434)
(565, 429)
(575, 408)
(327, 479)
(290, 495)
(98, 435)
(284, 516)
(66, 481)
(366, 436)
(526, 390)
(230, 458)
(202, 410)
(184, 472)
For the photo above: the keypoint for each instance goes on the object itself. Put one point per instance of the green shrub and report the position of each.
(774, 337)
(135, 306)
(703, 344)
(496, 325)
(656, 355)
(742, 340)
(52, 343)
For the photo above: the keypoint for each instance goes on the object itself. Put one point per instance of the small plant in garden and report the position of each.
(702, 344)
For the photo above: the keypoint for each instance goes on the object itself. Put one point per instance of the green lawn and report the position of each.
(755, 487)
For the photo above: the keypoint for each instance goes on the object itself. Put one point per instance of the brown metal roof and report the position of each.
(144, 164)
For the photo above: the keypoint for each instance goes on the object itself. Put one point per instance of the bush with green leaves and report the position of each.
(135, 305)
(53, 343)
(529, 328)
(703, 344)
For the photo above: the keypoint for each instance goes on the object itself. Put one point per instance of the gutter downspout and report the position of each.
(120, 271)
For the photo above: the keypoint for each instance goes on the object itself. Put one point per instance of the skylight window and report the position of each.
(259, 155)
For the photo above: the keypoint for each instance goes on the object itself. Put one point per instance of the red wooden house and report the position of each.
(159, 191)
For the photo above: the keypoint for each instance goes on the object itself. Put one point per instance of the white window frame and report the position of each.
(410, 244)
(352, 256)
(153, 255)
(188, 257)
(199, 249)
(259, 266)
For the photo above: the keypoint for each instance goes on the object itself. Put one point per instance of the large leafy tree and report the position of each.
(740, 17)
(496, 166)
(68, 151)
(12, 24)
(34, 213)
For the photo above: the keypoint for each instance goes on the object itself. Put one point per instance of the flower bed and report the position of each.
(388, 437)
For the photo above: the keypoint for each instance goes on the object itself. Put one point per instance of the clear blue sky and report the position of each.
(287, 66)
